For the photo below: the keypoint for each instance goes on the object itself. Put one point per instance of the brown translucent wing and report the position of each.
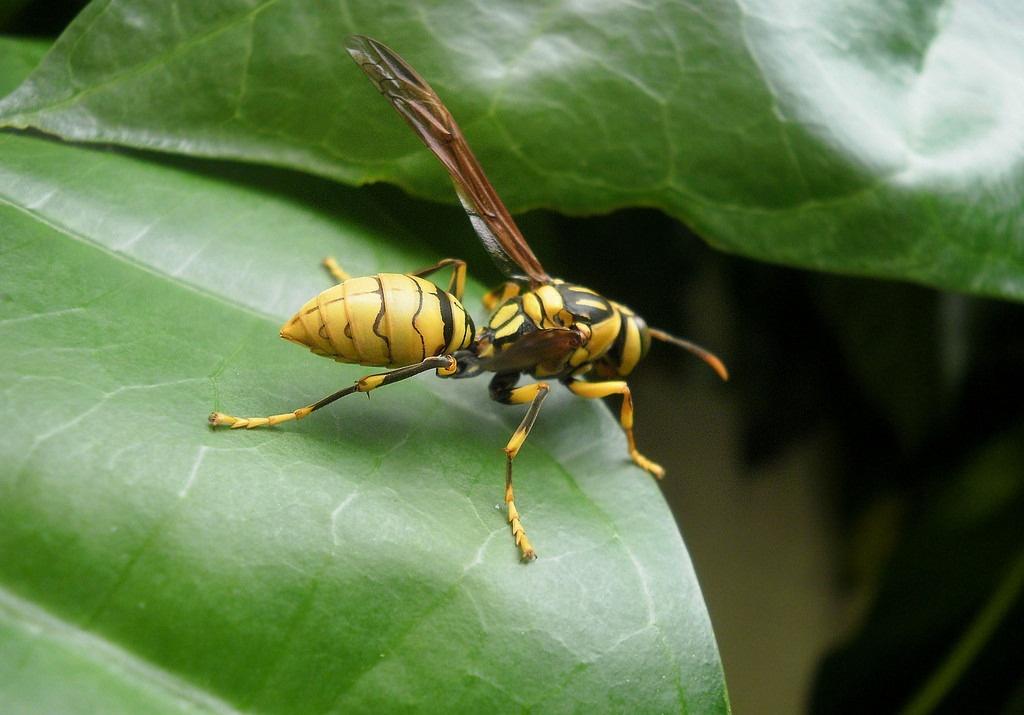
(424, 111)
(548, 349)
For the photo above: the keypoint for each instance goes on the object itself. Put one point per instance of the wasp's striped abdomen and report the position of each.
(390, 319)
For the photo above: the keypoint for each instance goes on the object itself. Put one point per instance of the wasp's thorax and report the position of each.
(613, 337)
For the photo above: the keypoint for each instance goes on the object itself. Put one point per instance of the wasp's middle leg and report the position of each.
(457, 284)
(444, 364)
(502, 391)
(493, 298)
(593, 390)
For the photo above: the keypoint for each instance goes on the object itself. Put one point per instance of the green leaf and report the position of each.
(354, 561)
(19, 57)
(871, 137)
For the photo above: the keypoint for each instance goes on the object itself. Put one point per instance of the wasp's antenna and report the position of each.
(708, 357)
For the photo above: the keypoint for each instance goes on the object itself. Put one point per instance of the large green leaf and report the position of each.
(351, 562)
(20, 57)
(867, 137)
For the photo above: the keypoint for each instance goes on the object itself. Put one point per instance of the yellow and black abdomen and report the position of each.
(390, 319)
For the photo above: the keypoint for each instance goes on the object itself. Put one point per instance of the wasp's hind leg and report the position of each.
(593, 390)
(444, 364)
(502, 391)
(336, 271)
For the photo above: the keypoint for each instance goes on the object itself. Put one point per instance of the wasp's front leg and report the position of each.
(593, 390)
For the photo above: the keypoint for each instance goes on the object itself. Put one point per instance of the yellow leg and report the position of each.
(593, 390)
(335, 270)
(457, 284)
(499, 295)
(444, 364)
(534, 394)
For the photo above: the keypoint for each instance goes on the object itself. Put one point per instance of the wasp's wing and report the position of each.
(424, 111)
(547, 349)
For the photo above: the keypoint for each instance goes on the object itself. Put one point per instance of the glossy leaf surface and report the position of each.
(873, 138)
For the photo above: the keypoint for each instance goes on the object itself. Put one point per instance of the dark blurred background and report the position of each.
(853, 499)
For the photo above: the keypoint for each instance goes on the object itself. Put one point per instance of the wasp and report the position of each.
(539, 326)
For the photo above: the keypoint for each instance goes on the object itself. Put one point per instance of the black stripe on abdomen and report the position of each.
(380, 317)
(447, 320)
(419, 309)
